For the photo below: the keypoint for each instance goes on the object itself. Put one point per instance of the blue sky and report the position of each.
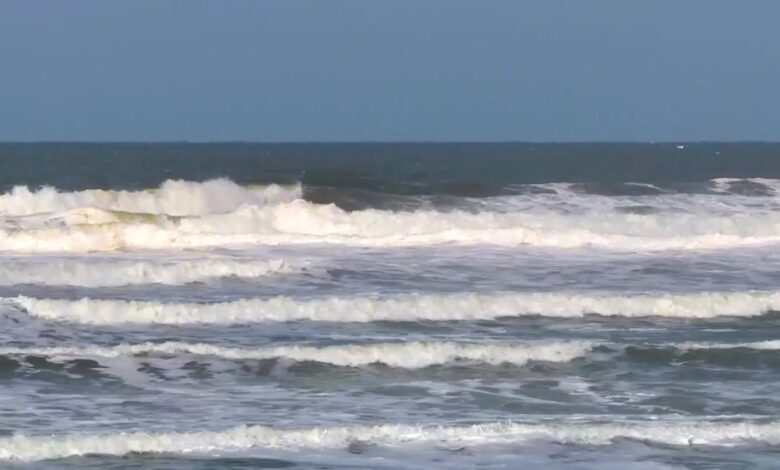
(346, 70)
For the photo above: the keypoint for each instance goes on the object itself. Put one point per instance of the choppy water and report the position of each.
(389, 306)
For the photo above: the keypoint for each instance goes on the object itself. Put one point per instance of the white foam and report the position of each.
(408, 355)
(173, 197)
(409, 307)
(769, 345)
(680, 433)
(112, 272)
(298, 221)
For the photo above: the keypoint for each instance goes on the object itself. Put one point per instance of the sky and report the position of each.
(393, 70)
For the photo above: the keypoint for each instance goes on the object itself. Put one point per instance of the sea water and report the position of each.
(177, 306)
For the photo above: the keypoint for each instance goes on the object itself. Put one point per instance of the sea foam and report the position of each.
(121, 272)
(668, 432)
(409, 307)
(183, 215)
(407, 355)
(173, 197)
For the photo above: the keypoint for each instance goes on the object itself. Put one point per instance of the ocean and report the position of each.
(389, 306)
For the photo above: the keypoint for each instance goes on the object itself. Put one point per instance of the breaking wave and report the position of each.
(408, 355)
(112, 273)
(410, 307)
(303, 222)
(182, 215)
(677, 433)
(173, 197)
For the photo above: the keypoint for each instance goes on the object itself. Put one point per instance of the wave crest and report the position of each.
(410, 307)
(408, 355)
(679, 433)
(297, 222)
(181, 215)
(173, 197)
(114, 273)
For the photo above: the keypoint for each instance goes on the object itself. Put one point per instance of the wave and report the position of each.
(752, 355)
(407, 355)
(181, 215)
(724, 186)
(421, 354)
(750, 186)
(173, 197)
(768, 345)
(410, 307)
(303, 222)
(677, 433)
(113, 273)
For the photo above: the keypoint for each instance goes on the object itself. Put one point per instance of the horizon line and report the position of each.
(386, 142)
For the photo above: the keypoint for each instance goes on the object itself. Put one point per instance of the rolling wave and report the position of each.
(753, 186)
(407, 355)
(303, 222)
(410, 307)
(173, 197)
(182, 215)
(114, 273)
(422, 354)
(669, 432)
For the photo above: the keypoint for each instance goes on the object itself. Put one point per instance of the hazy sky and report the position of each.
(294, 70)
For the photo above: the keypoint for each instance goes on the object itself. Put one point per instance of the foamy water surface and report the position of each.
(212, 323)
